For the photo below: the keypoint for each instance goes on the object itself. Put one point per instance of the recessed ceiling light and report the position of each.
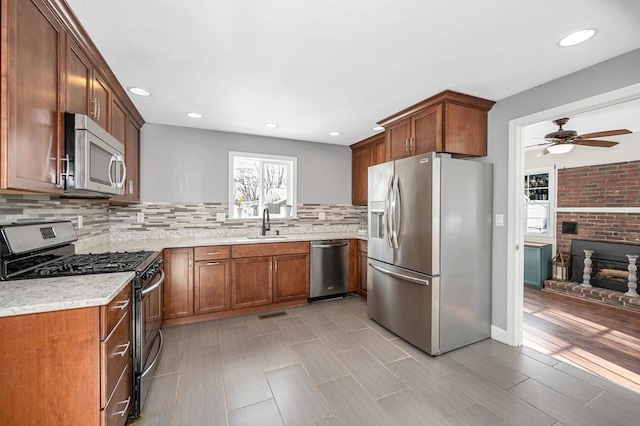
(270, 125)
(194, 115)
(577, 37)
(334, 134)
(377, 128)
(139, 91)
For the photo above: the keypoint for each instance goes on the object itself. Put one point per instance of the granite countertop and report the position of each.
(20, 297)
(163, 243)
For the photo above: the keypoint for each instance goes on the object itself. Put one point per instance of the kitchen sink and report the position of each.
(266, 237)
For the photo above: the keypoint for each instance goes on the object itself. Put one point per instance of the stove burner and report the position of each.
(80, 264)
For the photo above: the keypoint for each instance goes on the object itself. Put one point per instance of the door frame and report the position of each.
(515, 234)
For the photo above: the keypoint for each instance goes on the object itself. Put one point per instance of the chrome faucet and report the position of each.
(266, 225)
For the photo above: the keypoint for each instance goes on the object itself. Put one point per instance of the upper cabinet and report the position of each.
(49, 66)
(364, 154)
(448, 122)
(31, 101)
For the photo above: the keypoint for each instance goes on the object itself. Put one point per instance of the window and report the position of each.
(538, 201)
(259, 181)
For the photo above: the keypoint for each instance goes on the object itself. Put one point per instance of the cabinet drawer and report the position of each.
(111, 314)
(269, 249)
(115, 356)
(212, 252)
(117, 411)
(363, 245)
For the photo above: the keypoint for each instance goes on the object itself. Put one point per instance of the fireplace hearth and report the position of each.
(609, 263)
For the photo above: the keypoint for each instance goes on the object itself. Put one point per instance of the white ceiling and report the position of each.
(318, 66)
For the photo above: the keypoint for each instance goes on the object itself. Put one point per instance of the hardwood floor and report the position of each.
(604, 340)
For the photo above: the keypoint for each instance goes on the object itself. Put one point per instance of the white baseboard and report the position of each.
(500, 334)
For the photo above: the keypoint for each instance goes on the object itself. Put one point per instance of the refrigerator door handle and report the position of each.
(398, 275)
(397, 213)
(387, 211)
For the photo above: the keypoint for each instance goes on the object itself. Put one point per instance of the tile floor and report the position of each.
(329, 364)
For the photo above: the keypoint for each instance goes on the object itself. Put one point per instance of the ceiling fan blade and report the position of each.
(590, 142)
(605, 133)
(544, 152)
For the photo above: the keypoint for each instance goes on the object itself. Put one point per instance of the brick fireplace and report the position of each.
(609, 263)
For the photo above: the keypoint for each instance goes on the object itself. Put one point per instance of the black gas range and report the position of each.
(42, 250)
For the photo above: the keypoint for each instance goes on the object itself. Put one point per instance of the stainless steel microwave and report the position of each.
(93, 165)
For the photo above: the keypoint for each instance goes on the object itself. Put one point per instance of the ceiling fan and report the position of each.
(563, 141)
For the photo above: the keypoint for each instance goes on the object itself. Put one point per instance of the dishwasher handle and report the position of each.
(343, 244)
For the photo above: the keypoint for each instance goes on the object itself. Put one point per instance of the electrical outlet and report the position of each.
(322, 216)
(140, 217)
(80, 222)
(221, 217)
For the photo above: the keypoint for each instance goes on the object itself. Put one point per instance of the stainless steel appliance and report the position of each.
(429, 266)
(329, 269)
(40, 250)
(93, 165)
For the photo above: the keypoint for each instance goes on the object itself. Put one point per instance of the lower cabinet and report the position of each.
(68, 367)
(362, 267)
(209, 282)
(537, 263)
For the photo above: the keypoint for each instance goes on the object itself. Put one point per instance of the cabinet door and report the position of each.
(101, 101)
(119, 121)
(178, 284)
(465, 130)
(251, 282)
(32, 97)
(427, 131)
(397, 140)
(291, 277)
(361, 159)
(211, 287)
(362, 272)
(78, 79)
(132, 161)
(379, 151)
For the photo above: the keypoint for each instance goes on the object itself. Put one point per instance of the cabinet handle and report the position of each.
(212, 263)
(122, 305)
(411, 147)
(94, 109)
(190, 260)
(99, 110)
(213, 252)
(130, 186)
(406, 144)
(124, 351)
(126, 407)
(275, 264)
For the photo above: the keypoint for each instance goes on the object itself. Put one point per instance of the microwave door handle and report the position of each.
(387, 211)
(124, 173)
(110, 171)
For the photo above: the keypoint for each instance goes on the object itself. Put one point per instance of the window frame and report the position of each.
(550, 202)
(292, 166)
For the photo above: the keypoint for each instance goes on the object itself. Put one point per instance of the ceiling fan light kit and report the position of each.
(562, 148)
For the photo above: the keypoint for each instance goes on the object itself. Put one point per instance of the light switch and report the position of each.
(499, 220)
(140, 217)
(221, 217)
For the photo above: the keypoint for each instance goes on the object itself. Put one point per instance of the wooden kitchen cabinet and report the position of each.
(448, 122)
(78, 79)
(178, 283)
(251, 282)
(212, 280)
(31, 98)
(537, 263)
(68, 367)
(132, 162)
(364, 154)
(362, 267)
(290, 277)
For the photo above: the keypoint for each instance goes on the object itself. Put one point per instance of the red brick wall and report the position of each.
(606, 185)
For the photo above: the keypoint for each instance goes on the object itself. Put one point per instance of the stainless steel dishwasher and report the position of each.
(329, 268)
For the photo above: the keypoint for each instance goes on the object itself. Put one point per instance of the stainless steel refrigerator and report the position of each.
(429, 256)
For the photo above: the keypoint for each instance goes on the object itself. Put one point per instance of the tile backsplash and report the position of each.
(169, 220)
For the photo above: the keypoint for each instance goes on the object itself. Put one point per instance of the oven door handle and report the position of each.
(154, 286)
(155, 359)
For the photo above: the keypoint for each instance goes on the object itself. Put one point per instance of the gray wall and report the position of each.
(180, 164)
(616, 73)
